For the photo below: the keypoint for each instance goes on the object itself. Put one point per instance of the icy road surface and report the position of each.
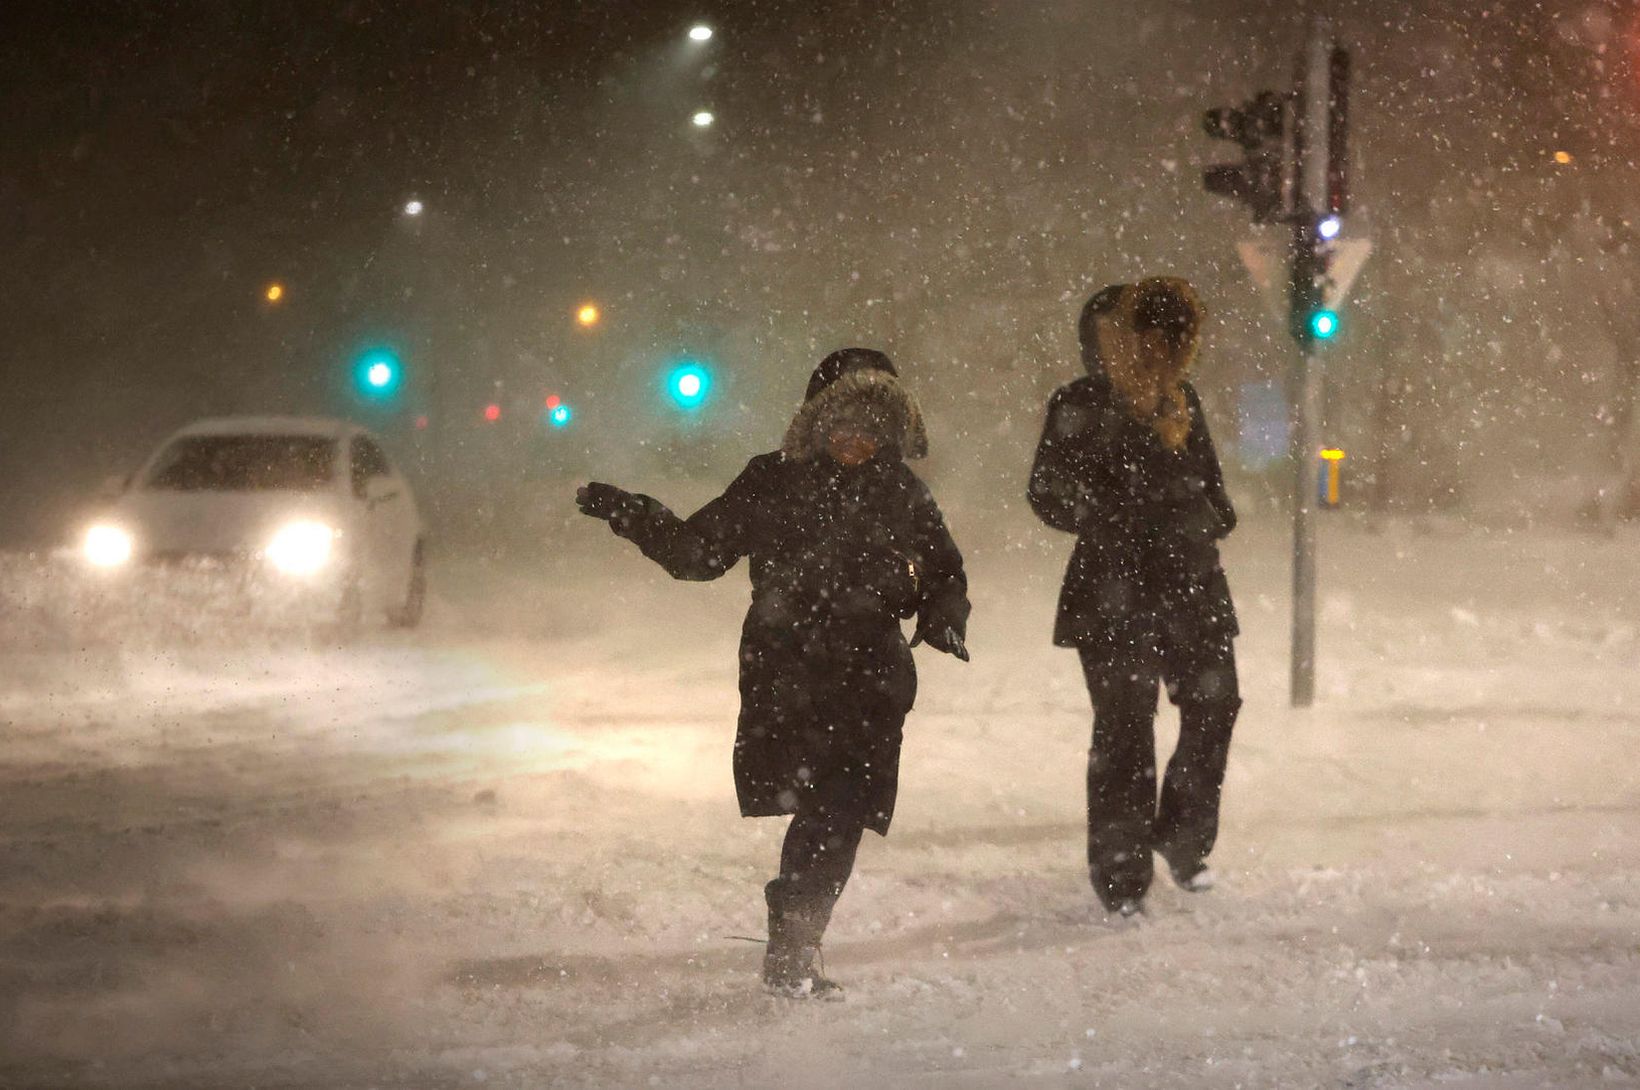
(503, 851)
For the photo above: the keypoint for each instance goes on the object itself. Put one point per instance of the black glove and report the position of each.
(942, 638)
(615, 506)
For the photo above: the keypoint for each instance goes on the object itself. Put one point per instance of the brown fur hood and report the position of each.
(868, 398)
(1149, 374)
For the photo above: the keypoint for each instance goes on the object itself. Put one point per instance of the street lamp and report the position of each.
(703, 119)
(275, 292)
(700, 32)
(413, 207)
(588, 315)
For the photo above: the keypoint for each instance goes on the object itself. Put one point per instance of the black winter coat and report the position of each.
(839, 556)
(1145, 572)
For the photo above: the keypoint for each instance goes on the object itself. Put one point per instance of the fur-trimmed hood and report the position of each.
(1147, 371)
(866, 398)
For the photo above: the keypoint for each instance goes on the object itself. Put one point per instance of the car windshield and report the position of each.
(245, 463)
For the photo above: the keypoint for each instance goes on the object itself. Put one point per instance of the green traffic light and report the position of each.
(688, 386)
(1324, 325)
(378, 373)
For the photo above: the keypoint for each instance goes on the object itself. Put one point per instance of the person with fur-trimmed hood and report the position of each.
(1127, 465)
(845, 541)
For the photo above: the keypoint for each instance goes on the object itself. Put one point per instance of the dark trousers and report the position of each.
(1125, 820)
(822, 840)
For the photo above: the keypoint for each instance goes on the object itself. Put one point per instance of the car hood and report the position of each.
(165, 521)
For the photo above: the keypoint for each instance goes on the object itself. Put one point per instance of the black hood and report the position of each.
(844, 360)
(1087, 328)
(860, 385)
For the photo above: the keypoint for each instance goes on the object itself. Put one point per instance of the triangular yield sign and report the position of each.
(1347, 258)
(1266, 261)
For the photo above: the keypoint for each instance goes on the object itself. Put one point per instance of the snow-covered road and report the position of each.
(504, 850)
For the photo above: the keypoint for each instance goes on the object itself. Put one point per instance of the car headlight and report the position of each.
(302, 547)
(108, 546)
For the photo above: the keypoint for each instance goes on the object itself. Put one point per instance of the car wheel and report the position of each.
(415, 595)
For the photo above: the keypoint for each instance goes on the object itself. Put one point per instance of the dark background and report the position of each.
(947, 180)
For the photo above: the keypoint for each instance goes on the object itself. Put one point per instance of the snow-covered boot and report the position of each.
(1196, 878)
(791, 961)
(1190, 872)
(1120, 897)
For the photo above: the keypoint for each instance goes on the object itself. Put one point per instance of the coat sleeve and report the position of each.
(942, 583)
(707, 543)
(1063, 491)
(1207, 461)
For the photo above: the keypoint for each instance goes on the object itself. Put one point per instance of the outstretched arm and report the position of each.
(703, 546)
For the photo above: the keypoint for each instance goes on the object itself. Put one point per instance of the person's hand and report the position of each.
(601, 501)
(942, 638)
(616, 506)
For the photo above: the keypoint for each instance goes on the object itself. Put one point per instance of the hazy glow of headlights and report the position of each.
(703, 119)
(700, 32)
(108, 546)
(302, 547)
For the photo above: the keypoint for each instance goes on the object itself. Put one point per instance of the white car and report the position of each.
(311, 505)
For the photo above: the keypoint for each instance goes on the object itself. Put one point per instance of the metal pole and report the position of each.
(1311, 146)
(1307, 383)
(1304, 397)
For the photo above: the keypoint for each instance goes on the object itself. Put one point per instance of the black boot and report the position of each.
(796, 924)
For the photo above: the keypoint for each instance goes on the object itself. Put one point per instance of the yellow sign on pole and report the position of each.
(1329, 481)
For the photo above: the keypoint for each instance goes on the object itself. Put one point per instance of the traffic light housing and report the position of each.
(1259, 127)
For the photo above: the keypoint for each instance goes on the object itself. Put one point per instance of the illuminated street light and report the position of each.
(1564, 158)
(703, 119)
(414, 208)
(700, 32)
(588, 315)
(274, 292)
(1329, 227)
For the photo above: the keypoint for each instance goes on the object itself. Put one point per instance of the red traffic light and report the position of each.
(492, 412)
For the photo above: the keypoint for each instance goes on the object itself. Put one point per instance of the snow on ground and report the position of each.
(503, 851)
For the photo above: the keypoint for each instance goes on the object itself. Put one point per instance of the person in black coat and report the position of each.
(845, 541)
(1127, 465)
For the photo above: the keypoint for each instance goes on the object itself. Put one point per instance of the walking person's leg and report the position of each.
(816, 861)
(1121, 780)
(1201, 681)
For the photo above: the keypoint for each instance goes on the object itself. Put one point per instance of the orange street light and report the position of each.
(1564, 158)
(588, 315)
(275, 292)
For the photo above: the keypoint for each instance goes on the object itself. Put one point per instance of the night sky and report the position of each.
(947, 180)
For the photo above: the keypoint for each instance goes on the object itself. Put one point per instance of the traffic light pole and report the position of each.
(1316, 116)
(1314, 148)
(1305, 402)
